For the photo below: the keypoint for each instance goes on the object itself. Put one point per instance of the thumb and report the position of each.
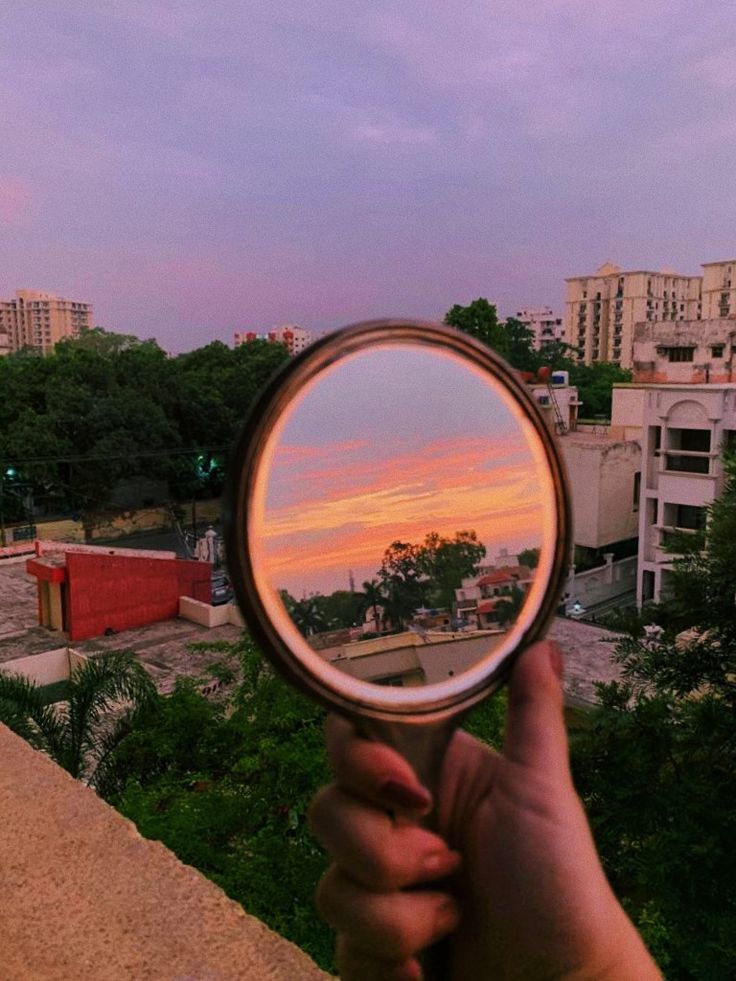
(535, 727)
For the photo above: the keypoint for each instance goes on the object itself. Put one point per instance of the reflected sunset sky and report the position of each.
(392, 444)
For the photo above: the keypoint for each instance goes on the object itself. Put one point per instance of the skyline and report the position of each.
(191, 172)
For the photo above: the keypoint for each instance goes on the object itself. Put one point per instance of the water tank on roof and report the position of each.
(560, 378)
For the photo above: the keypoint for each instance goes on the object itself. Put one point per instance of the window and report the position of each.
(717, 350)
(637, 489)
(688, 516)
(677, 353)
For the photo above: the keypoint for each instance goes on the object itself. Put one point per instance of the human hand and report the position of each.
(528, 898)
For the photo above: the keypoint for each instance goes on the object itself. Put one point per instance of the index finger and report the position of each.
(372, 771)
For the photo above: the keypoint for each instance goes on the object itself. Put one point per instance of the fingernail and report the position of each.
(555, 656)
(404, 795)
(447, 916)
(440, 863)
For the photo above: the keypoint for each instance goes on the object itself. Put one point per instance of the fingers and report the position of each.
(535, 728)
(355, 965)
(372, 771)
(390, 926)
(377, 852)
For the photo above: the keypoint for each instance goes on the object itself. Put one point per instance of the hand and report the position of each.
(528, 900)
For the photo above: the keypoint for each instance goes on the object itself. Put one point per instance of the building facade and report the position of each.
(719, 289)
(685, 431)
(40, 320)
(602, 309)
(687, 352)
(295, 338)
(541, 321)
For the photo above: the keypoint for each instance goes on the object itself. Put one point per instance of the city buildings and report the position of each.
(685, 430)
(40, 320)
(295, 338)
(543, 324)
(602, 309)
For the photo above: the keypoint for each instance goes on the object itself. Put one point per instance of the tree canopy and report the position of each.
(514, 341)
(108, 406)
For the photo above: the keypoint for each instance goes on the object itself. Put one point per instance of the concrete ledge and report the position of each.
(207, 615)
(85, 897)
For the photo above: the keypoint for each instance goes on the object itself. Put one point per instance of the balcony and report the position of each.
(84, 896)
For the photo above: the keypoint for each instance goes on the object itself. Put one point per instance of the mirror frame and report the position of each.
(243, 464)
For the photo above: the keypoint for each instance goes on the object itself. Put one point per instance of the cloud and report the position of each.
(388, 134)
(17, 200)
(718, 70)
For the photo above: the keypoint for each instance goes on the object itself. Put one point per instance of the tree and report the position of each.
(595, 383)
(657, 765)
(479, 319)
(401, 580)
(373, 598)
(308, 616)
(447, 561)
(81, 733)
(529, 558)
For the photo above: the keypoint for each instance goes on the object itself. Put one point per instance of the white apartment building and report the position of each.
(719, 289)
(602, 309)
(546, 327)
(295, 338)
(685, 430)
(40, 320)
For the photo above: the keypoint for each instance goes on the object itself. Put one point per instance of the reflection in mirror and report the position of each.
(404, 515)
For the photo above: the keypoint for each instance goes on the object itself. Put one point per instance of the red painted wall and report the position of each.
(121, 592)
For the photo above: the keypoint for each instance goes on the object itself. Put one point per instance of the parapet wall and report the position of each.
(86, 897)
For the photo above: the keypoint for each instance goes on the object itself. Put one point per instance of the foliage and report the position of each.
(226, 785)
(514, 341)
(657, 767)
(106, 406)
(529, 557)
(103, 697)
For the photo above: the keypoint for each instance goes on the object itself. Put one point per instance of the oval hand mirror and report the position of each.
(397, 527)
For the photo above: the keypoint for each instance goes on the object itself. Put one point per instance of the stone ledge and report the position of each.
(86, 897)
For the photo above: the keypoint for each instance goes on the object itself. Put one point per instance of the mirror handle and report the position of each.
(424, 747)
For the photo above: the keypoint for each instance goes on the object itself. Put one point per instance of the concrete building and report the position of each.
(602, 309)
(40, 320)
(546, 327)
(685, 352)
(719, 289)
(295, 338)
(685, 431)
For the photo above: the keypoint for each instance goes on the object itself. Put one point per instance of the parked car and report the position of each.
(222, 591)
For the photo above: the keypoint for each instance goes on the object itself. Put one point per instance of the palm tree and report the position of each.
(81, 732)
(373, 597)
(308, 616)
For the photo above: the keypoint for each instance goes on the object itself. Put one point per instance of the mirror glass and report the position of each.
(403, 522)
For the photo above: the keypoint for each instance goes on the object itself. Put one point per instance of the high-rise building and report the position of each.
(542, 322)
(295, 338)
(601, 309)
(719, 289)
(40, 320)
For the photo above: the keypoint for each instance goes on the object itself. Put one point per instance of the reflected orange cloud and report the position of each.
(340, 517)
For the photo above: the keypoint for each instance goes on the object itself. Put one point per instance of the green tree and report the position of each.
(226, 785)
(402, 581)
(657, 766)
(445, 562)
(595, 383)
(478, 319)
(529, 557)
(373, 598)
(100, 703)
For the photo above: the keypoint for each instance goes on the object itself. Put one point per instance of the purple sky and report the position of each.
(194, 168)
